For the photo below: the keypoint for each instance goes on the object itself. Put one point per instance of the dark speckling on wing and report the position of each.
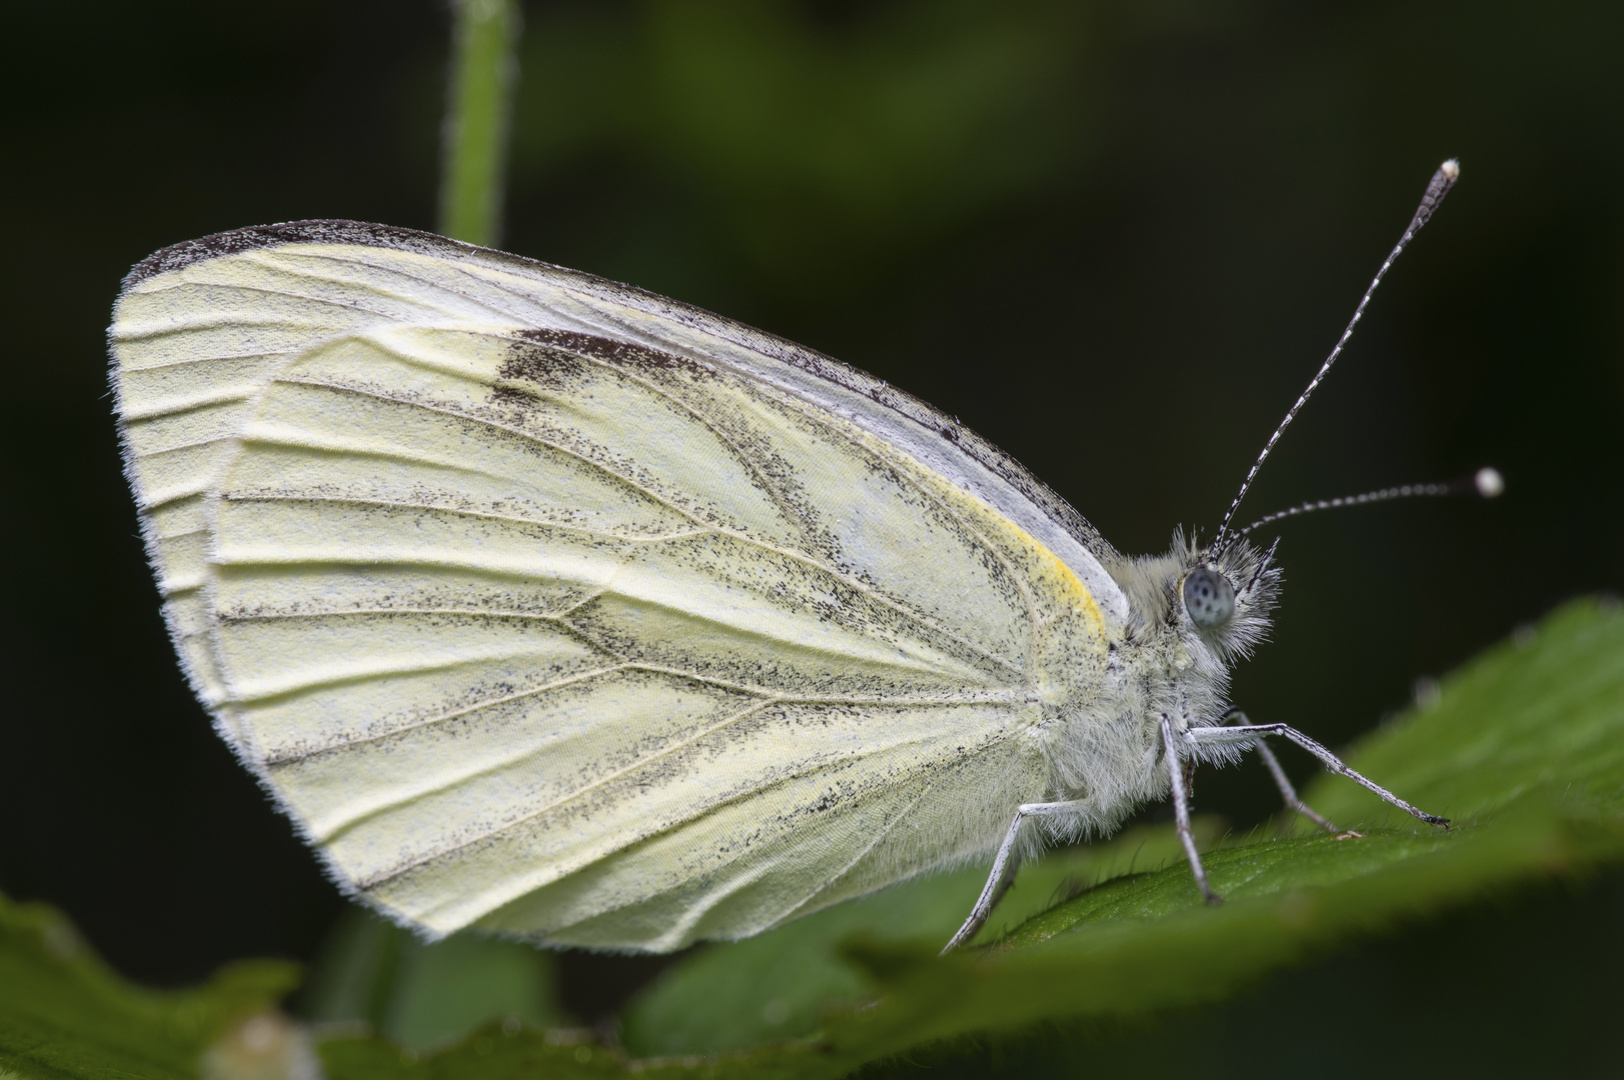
(546, 605)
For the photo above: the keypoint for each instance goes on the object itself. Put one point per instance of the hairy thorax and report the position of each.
(1161, 662)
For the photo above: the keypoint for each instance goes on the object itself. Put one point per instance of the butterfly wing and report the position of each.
(545, 605)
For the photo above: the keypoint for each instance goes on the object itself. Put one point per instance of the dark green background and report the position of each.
(1114, 238)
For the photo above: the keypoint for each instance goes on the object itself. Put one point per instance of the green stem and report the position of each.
(478, 100)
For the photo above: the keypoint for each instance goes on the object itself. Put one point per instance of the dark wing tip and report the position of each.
(179, 256)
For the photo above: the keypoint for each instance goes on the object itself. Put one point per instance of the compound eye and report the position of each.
(1209, 598)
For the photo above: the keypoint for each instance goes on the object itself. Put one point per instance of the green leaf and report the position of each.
(774, 129)
(427, 995)
(1540, 713)
(1522, 746)
(64, 1014)
(493, 1052)
(779, 986)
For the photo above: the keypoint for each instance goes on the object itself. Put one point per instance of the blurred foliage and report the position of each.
(64, 1014)
(420, 995)
(781, 985)
(1522, 745)
(841, 136)
(1537, 717)
(473, 178)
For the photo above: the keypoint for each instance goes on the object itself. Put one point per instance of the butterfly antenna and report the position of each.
(1442, 181)
(1263, 565)
(1486, 483)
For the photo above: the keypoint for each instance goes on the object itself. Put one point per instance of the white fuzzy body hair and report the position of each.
(1110, 756)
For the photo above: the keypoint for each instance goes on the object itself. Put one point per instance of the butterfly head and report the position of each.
(1192, 613)
(1226, 594)
(1210, 604)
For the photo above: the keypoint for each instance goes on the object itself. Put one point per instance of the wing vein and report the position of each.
(342, 744)
(628, 838)
(788, 507)
(859, 857)
(186, 405)
(443, 287)
(726, 721)
(888, 700)
(260, 257)
(856, 584)
(785, 504)
(487, 515)
(209, 359)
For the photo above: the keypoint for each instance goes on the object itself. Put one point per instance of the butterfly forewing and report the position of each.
(532, 623)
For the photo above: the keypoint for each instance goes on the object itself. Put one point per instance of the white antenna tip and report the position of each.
(1451, 169)
(1489, 482)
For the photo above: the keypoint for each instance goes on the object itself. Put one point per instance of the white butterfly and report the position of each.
(545, 605)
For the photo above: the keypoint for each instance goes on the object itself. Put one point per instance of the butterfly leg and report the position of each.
(1181, 811)
(1288, 793)
(1004, 865)
(1249, 733)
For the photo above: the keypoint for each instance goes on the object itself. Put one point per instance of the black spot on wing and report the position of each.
(542, 355)
(559, 359)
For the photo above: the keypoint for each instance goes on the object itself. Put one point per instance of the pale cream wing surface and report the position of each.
(533, 624)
